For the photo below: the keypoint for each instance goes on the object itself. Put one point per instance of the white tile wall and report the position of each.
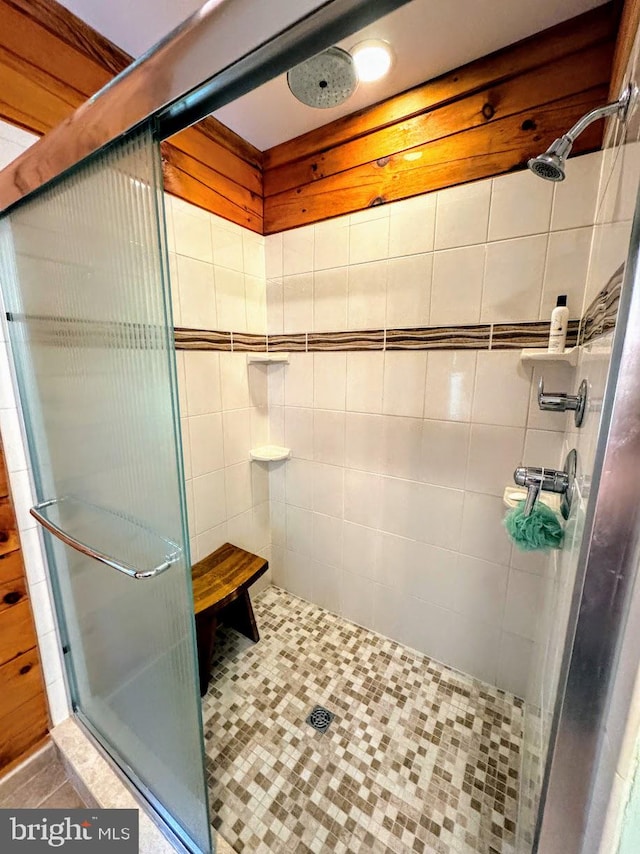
(416, 448)
(218, 271)
(377, 491)
(220, 284)
(495, 251)
(513, 279)
(456, 290)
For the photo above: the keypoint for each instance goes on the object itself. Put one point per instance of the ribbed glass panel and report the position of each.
(84, 279)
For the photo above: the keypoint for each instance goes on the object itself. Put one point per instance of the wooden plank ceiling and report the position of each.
(483, 119)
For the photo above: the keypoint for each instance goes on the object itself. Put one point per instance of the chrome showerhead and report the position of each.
(551, 164)
(547, 166)
(326, 80)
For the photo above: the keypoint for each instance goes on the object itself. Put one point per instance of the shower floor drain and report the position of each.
(320, 718)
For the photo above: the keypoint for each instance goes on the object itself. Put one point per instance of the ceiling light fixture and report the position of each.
(373, 58)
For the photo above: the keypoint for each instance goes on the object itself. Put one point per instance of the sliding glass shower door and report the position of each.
(84, 277)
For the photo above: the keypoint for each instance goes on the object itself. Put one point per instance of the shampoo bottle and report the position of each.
(559, 323)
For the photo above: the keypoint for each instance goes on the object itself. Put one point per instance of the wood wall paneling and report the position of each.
(21, 680)
(51, 62)
(484, 119)
(13, 584)
(627, 32)
(19, 727)
(17, 633)
(213, 168)
(9, 540)
(481, 152)
(196, 182)
(24, 718)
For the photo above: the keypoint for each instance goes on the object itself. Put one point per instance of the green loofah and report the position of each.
(540, 530)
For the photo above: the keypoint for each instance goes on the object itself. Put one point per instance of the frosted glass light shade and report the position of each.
(373, 59)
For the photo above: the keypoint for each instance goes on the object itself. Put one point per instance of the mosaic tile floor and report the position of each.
(418, 757)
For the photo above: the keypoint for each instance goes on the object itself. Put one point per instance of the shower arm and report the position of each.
(551, 164)
(618, 107)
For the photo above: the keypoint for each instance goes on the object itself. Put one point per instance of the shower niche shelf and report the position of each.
(267, 358)
(270, 453)
(537, 354)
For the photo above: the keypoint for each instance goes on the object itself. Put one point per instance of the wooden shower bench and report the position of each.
(221, 584)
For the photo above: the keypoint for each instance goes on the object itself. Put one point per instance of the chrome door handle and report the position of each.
(558, 401)
(84, 549)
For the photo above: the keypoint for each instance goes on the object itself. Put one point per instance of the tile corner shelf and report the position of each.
(537, 354)
(267, 358)
(270, 453)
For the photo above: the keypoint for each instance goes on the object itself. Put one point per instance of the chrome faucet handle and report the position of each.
(537, 479)
(533, 493)
(558, 401)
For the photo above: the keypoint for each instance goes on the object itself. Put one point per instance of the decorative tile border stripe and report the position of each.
(294, 343)
(248, 342)
(201, 339)
(573, 332)
(514, 336)
(440, 338)
(464, 337)
(599, 318)
(601, 315)
(370, 339)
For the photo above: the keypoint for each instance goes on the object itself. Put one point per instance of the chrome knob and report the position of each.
(558, 401)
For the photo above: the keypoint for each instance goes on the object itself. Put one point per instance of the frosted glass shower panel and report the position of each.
(86, 291)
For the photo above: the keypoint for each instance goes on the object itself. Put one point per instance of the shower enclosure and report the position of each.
(95, 364)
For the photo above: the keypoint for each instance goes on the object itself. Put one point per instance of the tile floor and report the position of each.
(418, 757)
(41, 781)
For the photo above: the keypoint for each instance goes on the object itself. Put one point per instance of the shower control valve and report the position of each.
(536, 479)
(558, 401)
